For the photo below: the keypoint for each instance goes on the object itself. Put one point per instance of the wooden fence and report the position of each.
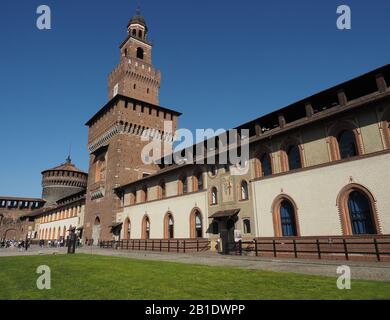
(374, 248)
(174, 245)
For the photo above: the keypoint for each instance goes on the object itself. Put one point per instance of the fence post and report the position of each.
(127, 244)
(160, 245)
(139, 245)
(378, 256)
(132, 246)
(256, 248)
(152, 245)
(240, 247)
(146, 245)
(345, 249)
(318, 249)
(197, 245)
(169, 245)
(295, 248)
(184, 246)
(274, 247)
(178, 244)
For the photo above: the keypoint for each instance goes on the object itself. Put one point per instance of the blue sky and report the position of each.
(223, 63)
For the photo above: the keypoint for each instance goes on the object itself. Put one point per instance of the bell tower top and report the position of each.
(137, 26)
(135, 76)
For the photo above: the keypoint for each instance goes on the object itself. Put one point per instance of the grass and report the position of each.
(83, 276)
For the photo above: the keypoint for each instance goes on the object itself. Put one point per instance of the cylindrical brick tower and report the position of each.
(62, 181)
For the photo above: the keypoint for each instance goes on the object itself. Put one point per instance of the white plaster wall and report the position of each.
(315, 193)
(59, 223)
(180, 207)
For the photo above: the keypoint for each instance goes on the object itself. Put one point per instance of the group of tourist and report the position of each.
(22, 245)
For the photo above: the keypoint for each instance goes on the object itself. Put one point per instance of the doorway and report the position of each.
(96, 231)
(227, 234)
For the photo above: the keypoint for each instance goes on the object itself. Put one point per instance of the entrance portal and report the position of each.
(226, 224)
(96, 231)
(227, 235)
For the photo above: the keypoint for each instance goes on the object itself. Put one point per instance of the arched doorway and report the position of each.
(96, 231)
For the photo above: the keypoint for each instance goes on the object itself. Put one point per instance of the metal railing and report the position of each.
(161, 245)
(354, 248)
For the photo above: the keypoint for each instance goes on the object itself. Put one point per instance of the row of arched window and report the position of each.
(357, 213)
(53, 233)
(344, 143)
(182, 188)
(196, 226)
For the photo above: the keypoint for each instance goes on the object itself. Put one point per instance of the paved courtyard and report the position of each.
(359, 270)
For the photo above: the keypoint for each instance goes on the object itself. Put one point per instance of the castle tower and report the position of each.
(117, 131)
(135, 75)
(62, 181)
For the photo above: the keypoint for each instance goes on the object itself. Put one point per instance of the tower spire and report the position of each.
(138, 10)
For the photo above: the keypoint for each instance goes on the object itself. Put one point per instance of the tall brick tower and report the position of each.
(116, 130)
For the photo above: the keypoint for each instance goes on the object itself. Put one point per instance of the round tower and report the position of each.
(62, 181)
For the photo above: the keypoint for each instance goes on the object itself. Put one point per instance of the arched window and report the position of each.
(134, 32)
(287, 219)
(127, 229)
(214, 196)
(244, 190)
(146, 228)
(360, 213)
(196, 225)
(140, 33)
(347, 144)
(140, 53)
(263, 165)
(198, 182)
(247, 225)
(294, 157)
(169, 226)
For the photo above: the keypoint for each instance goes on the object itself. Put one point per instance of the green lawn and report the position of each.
(84, 276)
